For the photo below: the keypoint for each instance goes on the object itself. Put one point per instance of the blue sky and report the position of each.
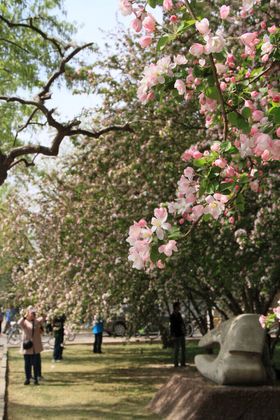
(91, 16)
(94, 14)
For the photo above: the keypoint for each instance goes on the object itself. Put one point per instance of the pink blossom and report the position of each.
(214, 44)
(224, 11)
(223, 86)
(255, 94)
(230, 61)
(167, 4)
(265, 58)
(262, 320)
(221, 68)
(265, 155)
(180, 86)
(197, 212)
(257, 115)
(221, 163)
(221, 197)
(159, 222)
(229, 171)
(278, 132)
(197, 154)
(173, 19)
(149, 23)
(202, 26)
(249, 39)
(188, 154)
(277, 311)
(262, 142)
(215, 147)
(214, 207)
(189, 173)
(266, 47)
(196, 49)
(125, 7)
(139, 254)
(231, 220)
(145, 41)
(180, 59)
(169, 248)
(142, 223)
(136, 24)
(160, 264)
(272, 29)
(254, 185)
(185, 187)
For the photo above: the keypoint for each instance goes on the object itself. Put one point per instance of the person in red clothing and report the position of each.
(178, 332)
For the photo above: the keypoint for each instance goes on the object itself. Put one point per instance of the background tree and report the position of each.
(80, 261)
(37, 54)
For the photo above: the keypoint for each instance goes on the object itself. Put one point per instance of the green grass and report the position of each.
(115, 385)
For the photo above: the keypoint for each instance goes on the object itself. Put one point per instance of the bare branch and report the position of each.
(61, 69)
(25, 125)
(8, 41)
(24, 161)
(53, 150)
(220, 95)
(96, 134)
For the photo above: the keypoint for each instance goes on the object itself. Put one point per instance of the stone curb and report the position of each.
(3, 380)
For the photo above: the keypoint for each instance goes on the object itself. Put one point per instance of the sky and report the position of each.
(91, 16)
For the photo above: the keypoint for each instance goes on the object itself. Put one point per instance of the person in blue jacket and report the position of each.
(98, 333)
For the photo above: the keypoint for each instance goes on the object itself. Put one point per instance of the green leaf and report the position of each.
(165, 39)
(174, 233)
(237, 120)
(275, 114)
(185, 25)
(200, 162)
(227, 186)
(243, 179)
(154, 255)
(246, 112)
(212, 92)
(152, 3)
(240, 202)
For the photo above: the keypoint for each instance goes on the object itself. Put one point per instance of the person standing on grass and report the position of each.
(1, 320)
(58, 331)
(98, 333)
(31, 333)
(178, 332)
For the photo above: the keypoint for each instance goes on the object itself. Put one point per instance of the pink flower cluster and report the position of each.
(141, 237)
(142, 20)
(155, 74)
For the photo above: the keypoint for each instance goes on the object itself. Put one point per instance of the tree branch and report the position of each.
(30, 26)
(61, 69)
(217, 83)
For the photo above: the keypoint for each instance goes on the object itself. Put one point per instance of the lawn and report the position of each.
(115, 385)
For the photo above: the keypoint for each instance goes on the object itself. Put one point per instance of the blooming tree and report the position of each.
(231, 69)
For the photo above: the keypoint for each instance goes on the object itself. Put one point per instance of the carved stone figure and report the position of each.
(239, 360)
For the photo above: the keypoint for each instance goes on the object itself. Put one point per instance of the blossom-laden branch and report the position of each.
(233, 91)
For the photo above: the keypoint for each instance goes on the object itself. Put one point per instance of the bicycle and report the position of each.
(14, 334)
(49, 338)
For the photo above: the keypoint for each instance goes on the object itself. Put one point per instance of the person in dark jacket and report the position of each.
(98, 334)
(178, 332)
(58, 331)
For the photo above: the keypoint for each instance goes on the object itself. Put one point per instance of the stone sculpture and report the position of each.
(239, 361)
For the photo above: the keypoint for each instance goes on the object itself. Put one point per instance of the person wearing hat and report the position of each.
(31, 344)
